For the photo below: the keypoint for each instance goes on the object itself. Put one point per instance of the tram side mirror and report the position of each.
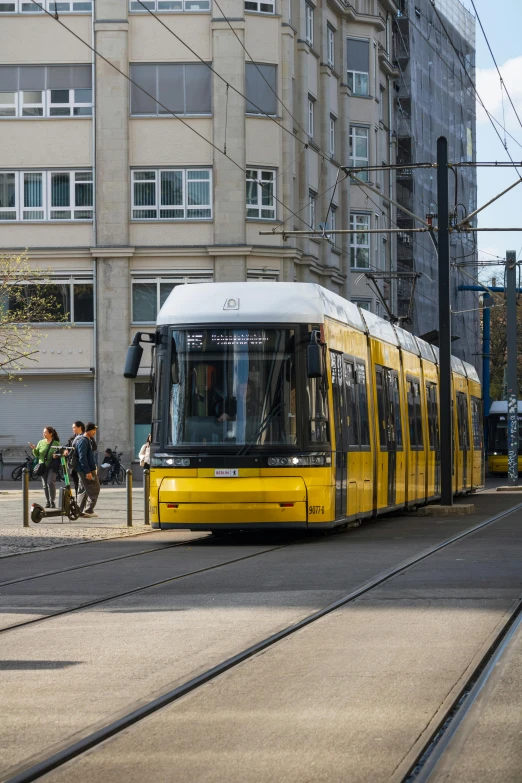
(314, 359)
(132, 362)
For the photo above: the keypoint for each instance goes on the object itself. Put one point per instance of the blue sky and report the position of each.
(502, 21)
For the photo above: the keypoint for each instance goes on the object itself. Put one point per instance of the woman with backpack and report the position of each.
(47, 467)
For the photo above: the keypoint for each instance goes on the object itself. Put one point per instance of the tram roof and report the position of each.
(271, 302)
(500, 406)
(260, 302)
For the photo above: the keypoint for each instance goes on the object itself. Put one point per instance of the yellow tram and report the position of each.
(498, 437)
(284, 405)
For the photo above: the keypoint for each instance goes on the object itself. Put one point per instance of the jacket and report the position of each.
(86, 463)
(144, 454)
(41, 450)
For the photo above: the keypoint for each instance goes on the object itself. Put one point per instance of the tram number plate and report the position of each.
(226, 473)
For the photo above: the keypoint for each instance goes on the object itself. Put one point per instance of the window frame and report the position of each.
(312, 211)
(259, 9)
(158, 206)
(19, 104)
(259, 189)
(352, 75)
(332, 134)
(311, 116)
(180, 279)
(309, 24)
(69, 281)
(356, 161)
(46, 190)
(158, 112)
(47, 4)
(354, 244)
(71, 104)
(330, 46)
(154, 6)
(253, 112)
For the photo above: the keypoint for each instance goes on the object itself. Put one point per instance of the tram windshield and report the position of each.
(233, 386)
(498, 434)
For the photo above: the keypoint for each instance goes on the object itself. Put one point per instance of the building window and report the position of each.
(358, 65)
(360, 241)
(142, 415)
(180, 88)
(45, 91)
(72, 299)
(46, 195)
(330, 46)
(165, 6)
(311, 111)
(27, 7)
(149, 294)
(309, 23)
(268, 275)
(312, 196)
(364, 304)
(172, 194)
(261, 8)
(332, 224)
(359, 149)
(260, 194)
(333, 120)
(260, 88)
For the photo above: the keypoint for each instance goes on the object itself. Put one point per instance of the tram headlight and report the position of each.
(169, 461)
(301, 460)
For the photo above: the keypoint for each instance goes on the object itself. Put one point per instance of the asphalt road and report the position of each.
(345, 699)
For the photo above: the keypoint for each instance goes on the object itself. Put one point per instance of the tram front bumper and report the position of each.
(219, 502)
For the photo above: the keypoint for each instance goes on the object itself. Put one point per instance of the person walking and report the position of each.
(44, 451)
(89, 483)
(144, 454)
(78, 429)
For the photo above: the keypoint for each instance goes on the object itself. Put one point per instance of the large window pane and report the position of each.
(33, 196)
(7, 195)
(144, 302)
(144, 76)
(165, 290)
(260, 83)
(198, 194)
(83, 303)
(198, 89)
(60, 190)
(170, 88)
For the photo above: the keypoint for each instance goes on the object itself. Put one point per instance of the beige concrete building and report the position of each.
(121, 201)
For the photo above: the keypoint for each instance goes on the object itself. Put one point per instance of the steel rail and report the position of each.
(438, 747)
(66, 753)
(134, 590)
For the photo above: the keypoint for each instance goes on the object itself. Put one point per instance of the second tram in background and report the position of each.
(498, 440)
(284, 405)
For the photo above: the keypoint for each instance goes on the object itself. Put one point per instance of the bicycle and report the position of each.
(117, 473)
(30, 462)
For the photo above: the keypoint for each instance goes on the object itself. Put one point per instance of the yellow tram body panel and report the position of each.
(431, 396)
(415, 436)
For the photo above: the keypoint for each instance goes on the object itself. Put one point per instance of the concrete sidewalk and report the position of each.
(110, 523)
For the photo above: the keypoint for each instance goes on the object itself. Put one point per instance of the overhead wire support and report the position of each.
(169, 111)
(487, 204)
(392, 201)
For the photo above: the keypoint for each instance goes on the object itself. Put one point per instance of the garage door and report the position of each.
(33, 403)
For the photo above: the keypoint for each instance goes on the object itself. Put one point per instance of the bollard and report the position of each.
(25, 496)
(146, 493)
(129, 497)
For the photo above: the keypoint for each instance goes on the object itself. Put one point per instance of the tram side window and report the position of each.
(381, 404)
(462, 418)
(362, 402)
(433, 421)
(418, 415)
(476, 422)
(351, 405)
(318, 430)
(397, 411)
(411, 414)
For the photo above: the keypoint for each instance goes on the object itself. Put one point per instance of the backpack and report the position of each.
(72, 459)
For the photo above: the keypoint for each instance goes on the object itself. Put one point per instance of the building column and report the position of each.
(229, 125)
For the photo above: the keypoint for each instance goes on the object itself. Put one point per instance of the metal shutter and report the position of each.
(27, 406)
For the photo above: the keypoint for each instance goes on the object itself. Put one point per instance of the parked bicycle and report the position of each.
(29, 463)
(116, 473)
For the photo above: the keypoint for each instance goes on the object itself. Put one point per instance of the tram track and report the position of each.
(55, 757)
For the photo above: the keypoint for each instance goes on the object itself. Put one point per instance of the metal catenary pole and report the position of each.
(25, 497)
(512, 385)
(445, 409)
(129, 497)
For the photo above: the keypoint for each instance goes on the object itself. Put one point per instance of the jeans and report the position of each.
(49, 484)
(89, 490)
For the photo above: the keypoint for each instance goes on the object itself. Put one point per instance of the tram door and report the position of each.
(389, 416)
(433, 432)
(463, 427)
(341, 435)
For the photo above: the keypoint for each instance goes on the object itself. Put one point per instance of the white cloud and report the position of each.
(488, 87)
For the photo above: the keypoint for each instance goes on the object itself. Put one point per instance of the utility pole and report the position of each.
(512, 385)
(445, 396)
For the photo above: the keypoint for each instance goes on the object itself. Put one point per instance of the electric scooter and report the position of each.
(67, 505)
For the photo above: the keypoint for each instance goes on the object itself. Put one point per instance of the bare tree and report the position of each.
(27, 302)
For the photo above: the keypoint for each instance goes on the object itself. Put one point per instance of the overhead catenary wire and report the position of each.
(263, 185)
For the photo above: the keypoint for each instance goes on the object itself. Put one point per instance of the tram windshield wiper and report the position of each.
(245, 448)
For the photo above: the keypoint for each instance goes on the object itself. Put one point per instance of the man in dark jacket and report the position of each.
(89, 483)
